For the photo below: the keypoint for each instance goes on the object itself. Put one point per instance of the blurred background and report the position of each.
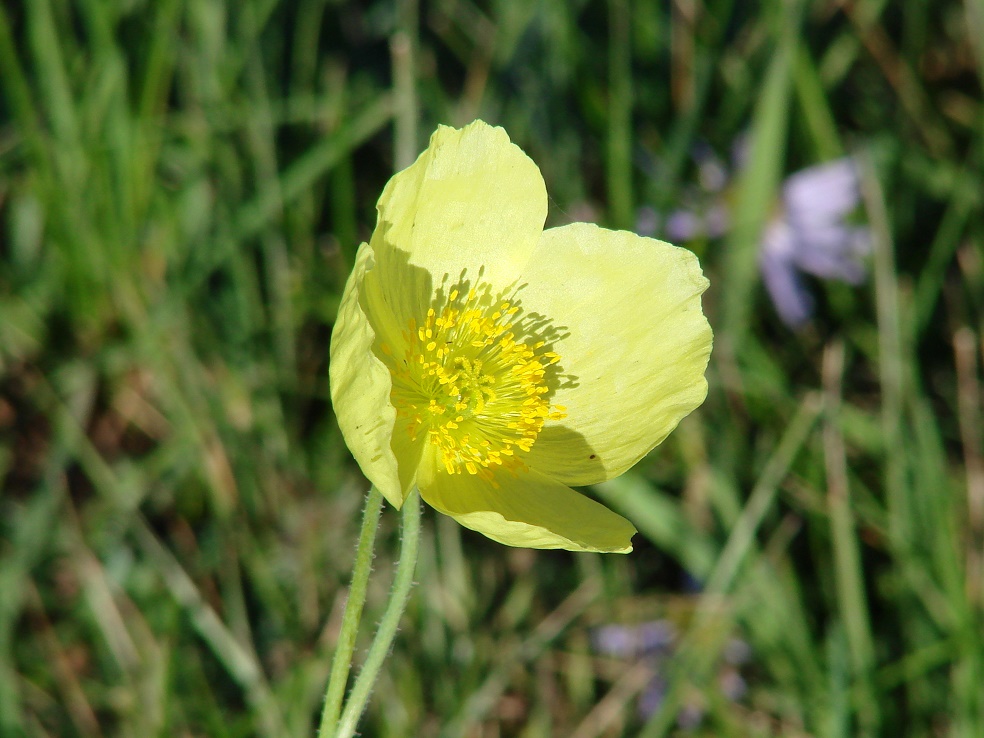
(183, 185)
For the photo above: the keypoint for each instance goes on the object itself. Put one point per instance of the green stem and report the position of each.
(402, 583)
(342, 662)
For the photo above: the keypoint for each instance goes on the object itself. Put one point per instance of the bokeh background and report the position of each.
(183, 185)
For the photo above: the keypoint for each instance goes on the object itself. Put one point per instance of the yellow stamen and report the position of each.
(474, 383)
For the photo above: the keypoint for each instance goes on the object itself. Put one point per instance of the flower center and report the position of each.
(474, 383)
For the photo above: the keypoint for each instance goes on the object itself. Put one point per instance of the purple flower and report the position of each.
(811, 236)
(633, 642)
(653, 643)
(650, 642)
(684, 225)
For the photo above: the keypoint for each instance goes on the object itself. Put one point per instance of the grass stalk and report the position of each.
(619, 143)
(848, 567)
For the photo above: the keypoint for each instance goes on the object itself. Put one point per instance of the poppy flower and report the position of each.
(493, 364)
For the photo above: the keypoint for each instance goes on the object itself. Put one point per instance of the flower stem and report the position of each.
(402, 583)
(342, 662)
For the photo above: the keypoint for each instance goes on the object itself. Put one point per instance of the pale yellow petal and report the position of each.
(360, 388)
(527, 510)
(408, 451)
(633, 342)
(472, 199)
(394, 293)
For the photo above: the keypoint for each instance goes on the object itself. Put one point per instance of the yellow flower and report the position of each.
(492, 363)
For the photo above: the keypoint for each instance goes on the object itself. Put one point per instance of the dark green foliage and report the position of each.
(183, 186)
